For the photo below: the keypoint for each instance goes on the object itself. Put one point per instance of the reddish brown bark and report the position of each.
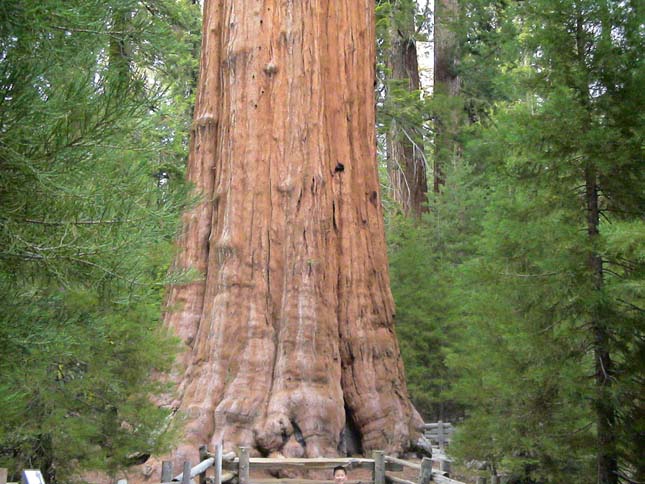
(291, 332)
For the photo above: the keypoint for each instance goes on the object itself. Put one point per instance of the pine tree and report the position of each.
(555, 295)
(86, 232)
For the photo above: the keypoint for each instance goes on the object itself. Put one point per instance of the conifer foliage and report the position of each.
(87, 132)
(544, 297)
(566, 296)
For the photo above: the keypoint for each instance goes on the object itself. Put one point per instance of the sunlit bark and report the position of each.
(290, 336)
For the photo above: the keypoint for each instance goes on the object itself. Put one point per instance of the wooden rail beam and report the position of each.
(402, 463)
(318, 463)
(301, 481)
(195, 471)
(441, 479)
(398, 480)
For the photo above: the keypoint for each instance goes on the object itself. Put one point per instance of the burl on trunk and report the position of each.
(290, 336)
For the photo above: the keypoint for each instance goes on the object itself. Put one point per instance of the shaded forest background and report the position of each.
(517, 273)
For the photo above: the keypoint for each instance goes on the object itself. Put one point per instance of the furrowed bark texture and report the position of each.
(405, 161)
(289, 337)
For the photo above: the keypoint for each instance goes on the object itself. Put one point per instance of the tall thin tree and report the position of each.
(446, 83)
(406, 166)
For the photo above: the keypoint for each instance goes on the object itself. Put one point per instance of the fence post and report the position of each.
(218, 463)
(166, 471)
(379, 466)
(425, 474)
(203, 455)
(3, 475)
(440, 435)
(444, 466)
(185, 476)
(243, 470)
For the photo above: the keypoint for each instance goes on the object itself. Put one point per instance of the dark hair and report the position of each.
(339, 468)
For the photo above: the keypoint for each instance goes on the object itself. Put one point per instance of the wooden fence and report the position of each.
(228, 466)
(439, 433)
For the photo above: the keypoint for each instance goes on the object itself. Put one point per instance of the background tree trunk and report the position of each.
(446, 83)
(290, 336)
(405, 159)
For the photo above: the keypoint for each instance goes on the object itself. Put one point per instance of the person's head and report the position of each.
(340, 475)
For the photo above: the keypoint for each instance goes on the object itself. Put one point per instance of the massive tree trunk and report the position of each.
(446, 83)
(405, 158)
(290, 335)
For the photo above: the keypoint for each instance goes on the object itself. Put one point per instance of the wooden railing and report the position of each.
(227, 466)
(439, 433)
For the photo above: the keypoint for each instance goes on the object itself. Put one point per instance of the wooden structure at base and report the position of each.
(439, 433)
(229, 467)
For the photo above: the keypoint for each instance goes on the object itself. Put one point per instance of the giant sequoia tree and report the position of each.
(289, 334)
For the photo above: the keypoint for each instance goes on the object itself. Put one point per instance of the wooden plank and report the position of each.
(403, 463)
(218, 464)
(226, 476)
(444, 466)
(442, 436)
(244, 466)
(425, 474)
(32, 476)
(435, 425)
(3, 475)
(166, 471)
(185, 476)
(398, 480)
(379, 467)
(228, 456)
(441, 479)
(198, 469)
(203, 455)
(301, 481)
(263, 463)
(439, 455)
